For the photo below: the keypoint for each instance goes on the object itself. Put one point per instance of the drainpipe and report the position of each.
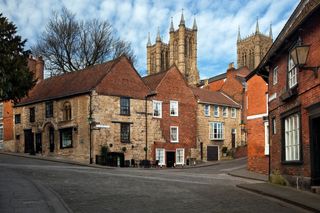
(90, 127)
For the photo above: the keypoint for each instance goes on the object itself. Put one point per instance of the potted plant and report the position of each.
(224, 151)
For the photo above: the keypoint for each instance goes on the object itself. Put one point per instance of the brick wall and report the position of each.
(308, 94)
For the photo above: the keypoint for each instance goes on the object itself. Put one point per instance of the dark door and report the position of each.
(38, 143)
(233, 138)
(201, 151)
(212, 153)
(51, 139)
(315, 151)
(170, 159)
(28, 141)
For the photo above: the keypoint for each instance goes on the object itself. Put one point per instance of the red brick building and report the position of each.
(257, 123)
(174, 105)
(294, 100)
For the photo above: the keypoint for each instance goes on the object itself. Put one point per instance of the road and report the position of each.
(31, 185)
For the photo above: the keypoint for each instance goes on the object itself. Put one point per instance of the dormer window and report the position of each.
(67, 111)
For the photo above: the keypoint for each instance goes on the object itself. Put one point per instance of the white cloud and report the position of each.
(217, 21)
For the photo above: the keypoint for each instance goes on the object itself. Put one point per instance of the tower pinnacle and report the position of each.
(149, 42)
(182, 22)
(195, 27)
(257, 26)
(158, 35)
(239, 36)
(270, 32)
(171, 26)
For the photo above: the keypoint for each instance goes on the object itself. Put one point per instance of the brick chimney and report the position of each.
(36, 66)
(231, 70)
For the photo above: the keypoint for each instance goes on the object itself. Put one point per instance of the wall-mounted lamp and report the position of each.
(299, 56)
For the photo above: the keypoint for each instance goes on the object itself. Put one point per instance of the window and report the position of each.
(292, 73)
(216, 131)
(207, 110)
(160, 156)
(67, 111)
(66, 138)
(180, 156)
(125, 133)
(17, 118)
(266, 138)
(32, 115)
(1, 111)
(1, 132)
(49, 109)
(292, 138)
(124, 106)
(216, 111)
(174, 108)
(274, 126)
(157, 109)
(275, 76)
(174, 134)
(225, 112)
(233, 112)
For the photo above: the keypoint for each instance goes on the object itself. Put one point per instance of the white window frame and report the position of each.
(233, 112)
(174, 141)
(162, 162)
(220, 130)
(154, 104)
(275, 75)
(1, 111)
(292, 73)
(182, 160)
(216, 111)
(172, 106)
(206, 110)
(1, 132)
(292, 138)
(274, 126)
(225, 111)
(266, 138)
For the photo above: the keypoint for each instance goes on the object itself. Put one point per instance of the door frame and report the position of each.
(218, 147)
(174, 157)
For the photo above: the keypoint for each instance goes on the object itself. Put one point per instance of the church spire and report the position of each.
(171, 26)
(182, 22)
(195, 27)
(239, 36)
(158, 35)
(270, 32)
(257, 26)
(149, 42)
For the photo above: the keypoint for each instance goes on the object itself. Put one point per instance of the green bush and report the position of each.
(277, 178)
(224, 149)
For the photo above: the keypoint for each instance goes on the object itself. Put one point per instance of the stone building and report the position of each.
(250, 50)
(181, 51)
(75, 114)
(218, 124)
(291, 67)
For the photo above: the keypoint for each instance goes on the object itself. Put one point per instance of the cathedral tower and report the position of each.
(252, 49)
(181, 51)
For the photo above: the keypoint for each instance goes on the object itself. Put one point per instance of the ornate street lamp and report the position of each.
(299, 56)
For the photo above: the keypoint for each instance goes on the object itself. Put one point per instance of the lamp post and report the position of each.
(299, 56)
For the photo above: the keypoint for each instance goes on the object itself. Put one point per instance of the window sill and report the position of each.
(126, 142)
(296, 162)
(290, 93)
(217, 139)
(174, 141)
(67, 147)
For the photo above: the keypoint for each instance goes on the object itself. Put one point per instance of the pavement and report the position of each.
(303, 199)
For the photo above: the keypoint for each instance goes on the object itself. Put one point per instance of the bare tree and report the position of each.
(69, 45)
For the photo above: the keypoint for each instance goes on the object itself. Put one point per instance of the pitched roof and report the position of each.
(152, 81)
(243, 72)
(217, 77)
(76, 83)
(213, 97)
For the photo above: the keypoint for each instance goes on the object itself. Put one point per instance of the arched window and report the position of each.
(67, 111)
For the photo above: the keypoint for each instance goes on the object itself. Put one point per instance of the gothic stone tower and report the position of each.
(181, 51)
(252, 49)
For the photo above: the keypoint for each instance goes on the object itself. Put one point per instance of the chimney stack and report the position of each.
(36, 66)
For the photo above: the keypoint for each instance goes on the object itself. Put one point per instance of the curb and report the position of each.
(57, 160)
(301, 205)
(246, 177)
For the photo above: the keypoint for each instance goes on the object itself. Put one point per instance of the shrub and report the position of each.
(277, 178)
(104, 151)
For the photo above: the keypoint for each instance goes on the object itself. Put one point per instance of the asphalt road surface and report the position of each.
(31, 185)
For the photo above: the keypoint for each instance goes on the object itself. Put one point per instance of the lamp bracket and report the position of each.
(314, 69)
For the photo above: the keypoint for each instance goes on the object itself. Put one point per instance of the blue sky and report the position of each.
(217, 21)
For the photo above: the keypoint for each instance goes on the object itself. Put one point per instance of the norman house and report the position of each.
(292, 69)
(218, 124)
(75, 114)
